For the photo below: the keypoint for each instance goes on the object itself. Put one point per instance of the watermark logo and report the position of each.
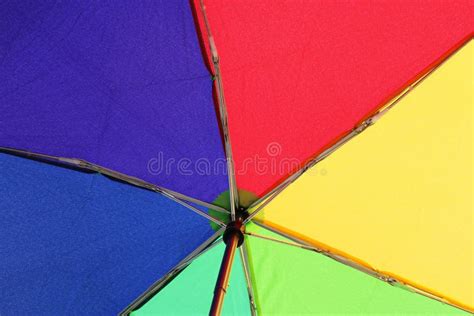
(274, 149)
(273, 161)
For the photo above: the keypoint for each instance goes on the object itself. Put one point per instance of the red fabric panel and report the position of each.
(302, 73)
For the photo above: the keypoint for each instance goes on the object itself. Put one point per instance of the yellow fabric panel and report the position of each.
(399, 197)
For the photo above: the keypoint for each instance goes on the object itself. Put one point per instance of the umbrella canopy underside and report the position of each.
(118, 175)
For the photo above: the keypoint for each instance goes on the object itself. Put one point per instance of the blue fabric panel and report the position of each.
(73, 243)
(118, 83)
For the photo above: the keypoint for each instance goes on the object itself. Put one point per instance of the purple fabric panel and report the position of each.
(118, 83)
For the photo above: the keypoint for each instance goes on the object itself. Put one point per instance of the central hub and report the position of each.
(234, 229)
(241, 213)
(223, 200)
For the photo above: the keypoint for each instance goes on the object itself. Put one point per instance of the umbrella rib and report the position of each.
(84, 165)
(264, 203)
(354, 132)
(234, 195)
(246, 266)
(296, 242)
(207, 245)
(302, 245)
(358, 129)
(194, 209)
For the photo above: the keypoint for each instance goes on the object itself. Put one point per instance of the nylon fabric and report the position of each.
(117, 83)
(398, 197)
(297, 75)
(294, 281)
(191, 292)
(74, 243)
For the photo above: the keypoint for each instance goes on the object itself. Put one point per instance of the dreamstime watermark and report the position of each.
(272, 161)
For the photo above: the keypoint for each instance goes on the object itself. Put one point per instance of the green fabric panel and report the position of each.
(191, 292)
(292, 281)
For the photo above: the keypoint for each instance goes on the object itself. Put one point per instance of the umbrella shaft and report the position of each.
(224, 274)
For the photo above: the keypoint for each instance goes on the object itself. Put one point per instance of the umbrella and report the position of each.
(236, 157)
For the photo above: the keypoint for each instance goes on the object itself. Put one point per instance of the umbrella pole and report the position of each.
(233, 238)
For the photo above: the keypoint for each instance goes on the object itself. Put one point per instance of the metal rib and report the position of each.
(304, 245)
(293, 239)
(234, 195)
(82, 164)
(278, 189)
(194, 209)
(161, 283)
(282, 241)
(348, 262)
(264, 203)
(356, 130)
(248, 279)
